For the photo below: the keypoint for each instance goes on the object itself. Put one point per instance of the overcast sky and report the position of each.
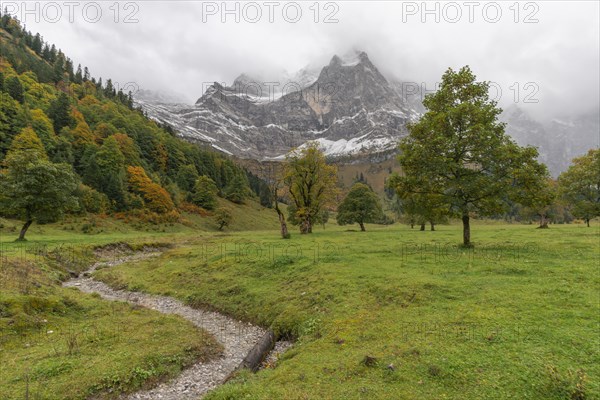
(181, 45)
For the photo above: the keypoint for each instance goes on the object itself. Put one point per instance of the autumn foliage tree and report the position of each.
(311, 184)
(223, 217)
(156, 198)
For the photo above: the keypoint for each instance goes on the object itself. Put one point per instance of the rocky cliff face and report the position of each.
(559, 140)
(349, 107)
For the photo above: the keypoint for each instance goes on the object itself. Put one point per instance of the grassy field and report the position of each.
(388, 313)
(58, 343)
(51, 336)
(395, 313)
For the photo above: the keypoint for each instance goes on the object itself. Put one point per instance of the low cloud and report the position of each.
(179, 46)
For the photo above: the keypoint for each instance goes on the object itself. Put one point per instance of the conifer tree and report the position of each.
(205, 193)
(60, 112)
(15, 89)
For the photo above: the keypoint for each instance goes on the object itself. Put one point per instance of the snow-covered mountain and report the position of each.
(349, 107)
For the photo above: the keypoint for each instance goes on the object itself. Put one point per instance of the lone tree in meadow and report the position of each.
(311, 184)
(33, 188)
(580, 185)
(458, 150)
(361, 205)
(272, 174)
(223, 217)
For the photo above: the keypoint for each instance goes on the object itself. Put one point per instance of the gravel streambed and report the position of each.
(237, 337)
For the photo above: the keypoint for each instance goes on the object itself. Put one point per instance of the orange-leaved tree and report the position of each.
(156, 198)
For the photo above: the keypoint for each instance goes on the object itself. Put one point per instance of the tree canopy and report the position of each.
(205, 193)
(361, 205)
(580, 185)
(458, 150)
(34, 188)
(311, 184)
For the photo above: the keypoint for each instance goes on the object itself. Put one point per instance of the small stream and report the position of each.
(238, 338)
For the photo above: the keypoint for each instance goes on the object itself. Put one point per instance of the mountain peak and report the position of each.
(350, 59)
(335, 61)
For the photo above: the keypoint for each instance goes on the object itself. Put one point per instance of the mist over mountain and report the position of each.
(348, 106)
(558, 140)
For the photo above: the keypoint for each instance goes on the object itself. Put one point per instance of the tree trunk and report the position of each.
(587, 221)
(432, 226)
(362, 227)
(24, 230)
(466, 231)
(412, 225)
(422, 226)
(284, 230)
(305, 227)
(543, 222)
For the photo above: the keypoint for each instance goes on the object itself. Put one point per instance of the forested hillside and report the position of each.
(121, 161)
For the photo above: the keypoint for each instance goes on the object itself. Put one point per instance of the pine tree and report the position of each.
(60, 112)
(12, 120)
(109, 91)
(78, 75)
(69, 69)
(59, 68)
(105, 171)
(53, 54)
(46, 53)
(36, 45)
(186, 177)
(205, 193)
(237, 190)
(15, 89)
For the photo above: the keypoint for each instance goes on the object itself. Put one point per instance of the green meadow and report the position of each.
(395, 313)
